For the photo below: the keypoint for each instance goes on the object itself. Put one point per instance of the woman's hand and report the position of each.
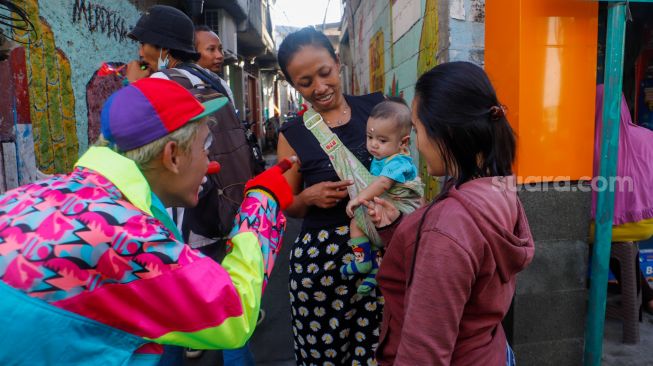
(381, 212)
(326, 194)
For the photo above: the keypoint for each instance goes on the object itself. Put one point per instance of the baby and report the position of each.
(388, 137)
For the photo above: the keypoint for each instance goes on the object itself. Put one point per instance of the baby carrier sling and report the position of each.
(406, 197)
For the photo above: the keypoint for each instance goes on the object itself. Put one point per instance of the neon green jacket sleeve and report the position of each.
(253, 246)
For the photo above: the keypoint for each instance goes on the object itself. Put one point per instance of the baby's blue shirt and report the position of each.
(398, 167)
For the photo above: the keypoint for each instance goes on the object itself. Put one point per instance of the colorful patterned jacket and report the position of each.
(91, 268)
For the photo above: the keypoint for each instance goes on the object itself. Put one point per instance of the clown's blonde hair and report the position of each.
(143, 155)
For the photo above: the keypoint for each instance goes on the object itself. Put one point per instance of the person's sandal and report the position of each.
(193, 353)
(261, 317)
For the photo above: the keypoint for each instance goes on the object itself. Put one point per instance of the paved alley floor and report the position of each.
(616, 353)
(272, 343)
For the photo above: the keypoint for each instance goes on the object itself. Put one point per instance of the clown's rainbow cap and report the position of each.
(149, 109)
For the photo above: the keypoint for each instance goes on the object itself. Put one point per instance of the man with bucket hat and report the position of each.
(166, 36)
(92, 267)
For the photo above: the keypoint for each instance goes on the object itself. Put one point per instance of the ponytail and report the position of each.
(502, 154)
(461, 114)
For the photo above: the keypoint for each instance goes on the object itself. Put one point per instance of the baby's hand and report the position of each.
(352, 205)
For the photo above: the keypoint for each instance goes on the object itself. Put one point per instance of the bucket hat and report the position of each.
(166, 27)
(149, 109)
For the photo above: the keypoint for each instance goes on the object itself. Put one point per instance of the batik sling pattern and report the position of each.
(406, 197)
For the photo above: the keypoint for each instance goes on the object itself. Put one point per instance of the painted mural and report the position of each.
(428, 44)
(386, 53)
(104, 82)
(413, 40)
(428, 48)
(17, 164)
(393, 90)
(52, 105)
(384, 49)
(70, 40)
(377, 70)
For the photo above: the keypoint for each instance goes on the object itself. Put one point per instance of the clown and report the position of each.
(92, 267)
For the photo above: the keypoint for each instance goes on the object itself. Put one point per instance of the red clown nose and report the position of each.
(213, 168)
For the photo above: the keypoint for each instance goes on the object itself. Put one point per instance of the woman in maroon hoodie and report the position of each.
(448, 275)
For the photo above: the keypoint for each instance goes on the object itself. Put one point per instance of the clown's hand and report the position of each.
(273, 182)
(260, 213)
(266, 195)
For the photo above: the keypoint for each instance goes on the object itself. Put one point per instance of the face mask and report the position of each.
(162, 64)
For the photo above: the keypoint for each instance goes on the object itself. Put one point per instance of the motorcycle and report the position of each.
(257, 153)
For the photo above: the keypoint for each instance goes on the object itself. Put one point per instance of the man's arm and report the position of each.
(181, 297)
(186, 299)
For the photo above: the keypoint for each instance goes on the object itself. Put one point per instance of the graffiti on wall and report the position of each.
(98, 90)
(393, 90)
(98, 18)
(377, 69)
(428, 48)
(17, 164)
(428, 43)
(52, 104)
(71, 40)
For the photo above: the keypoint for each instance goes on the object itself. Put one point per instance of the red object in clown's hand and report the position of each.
(107, 69)
(213, 168)
(286, 164)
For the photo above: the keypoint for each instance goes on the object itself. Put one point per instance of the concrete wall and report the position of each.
(467, 30)
(70, 41)
(384, 35)
(547, 320)
(385, 59)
